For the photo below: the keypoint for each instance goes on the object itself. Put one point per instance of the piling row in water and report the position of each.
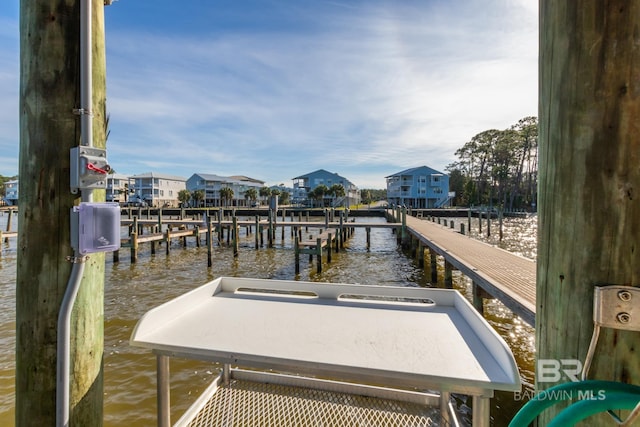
(214, 225)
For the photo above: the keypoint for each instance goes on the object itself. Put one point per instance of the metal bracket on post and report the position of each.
(616, 307)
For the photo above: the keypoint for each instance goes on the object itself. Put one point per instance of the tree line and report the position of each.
(498, 168)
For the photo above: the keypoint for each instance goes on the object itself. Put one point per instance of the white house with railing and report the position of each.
(156, 189)
(117, 188)
(211, 184)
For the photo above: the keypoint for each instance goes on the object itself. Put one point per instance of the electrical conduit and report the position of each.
(75, 278)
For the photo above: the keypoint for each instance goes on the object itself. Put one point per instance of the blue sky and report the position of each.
(274, 89)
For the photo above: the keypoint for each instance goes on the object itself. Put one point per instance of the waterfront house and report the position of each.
(212, 184)
(117, 188)
(11, 192)
(420, 187)
(156, 189)
(304, 184)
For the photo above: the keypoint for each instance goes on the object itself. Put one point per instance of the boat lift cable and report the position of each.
(75, 279)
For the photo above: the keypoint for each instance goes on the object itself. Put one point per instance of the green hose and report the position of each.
(585, 408)
(561, 392)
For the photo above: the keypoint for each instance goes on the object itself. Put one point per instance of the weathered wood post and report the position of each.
(296, 250)
(209, 241)
(257, 232)
(319, 254)
(448, 275)
(49, 71)
(589, 182)
(236, 238)
(10, 215)
(489, 213)
(270, 230)
(341, 231)
(368, 230)
(433, 258)
(134, 247)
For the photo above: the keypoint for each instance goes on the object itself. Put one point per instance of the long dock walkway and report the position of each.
(509, 277)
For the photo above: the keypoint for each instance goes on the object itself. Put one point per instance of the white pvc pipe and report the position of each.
(64, 342)
(63, 368)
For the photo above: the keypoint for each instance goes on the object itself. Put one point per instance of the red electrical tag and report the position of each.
(94, 168)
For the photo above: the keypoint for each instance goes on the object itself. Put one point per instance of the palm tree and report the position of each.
(318, 193)
(284, 197)
(336, 191)
(197, 196)
(265, 192)
(251, 194)
(226, 194)
(184, 196)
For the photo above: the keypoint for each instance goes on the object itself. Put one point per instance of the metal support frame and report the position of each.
(164, 392)
(616, 307)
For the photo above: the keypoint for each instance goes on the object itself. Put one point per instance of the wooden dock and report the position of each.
(500, 274)
(315, 245)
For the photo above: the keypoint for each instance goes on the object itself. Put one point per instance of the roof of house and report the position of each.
(325, 172)
(247, 179)
(412, 171)
(236, 179)
(213, 177)
(159, 175)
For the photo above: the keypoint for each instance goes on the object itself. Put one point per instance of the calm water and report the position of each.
(133, 289)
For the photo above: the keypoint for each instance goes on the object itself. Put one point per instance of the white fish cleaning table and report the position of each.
(401, 340)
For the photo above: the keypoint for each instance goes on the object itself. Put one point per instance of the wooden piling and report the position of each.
(235, 237)
(257, 221)
(488, 223)
(434, 266)
(319, 255)
(10, 215)
(588, 184)
(448, 275)
(296, 250)
(209, 241)
(134, 247)
(478, 300)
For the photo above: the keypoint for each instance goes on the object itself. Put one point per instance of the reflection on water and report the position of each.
(133, 289)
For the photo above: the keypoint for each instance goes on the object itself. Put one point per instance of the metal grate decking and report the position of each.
(247, 403)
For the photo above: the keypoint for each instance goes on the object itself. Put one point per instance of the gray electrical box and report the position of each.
(89, 168)
(95, 227)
